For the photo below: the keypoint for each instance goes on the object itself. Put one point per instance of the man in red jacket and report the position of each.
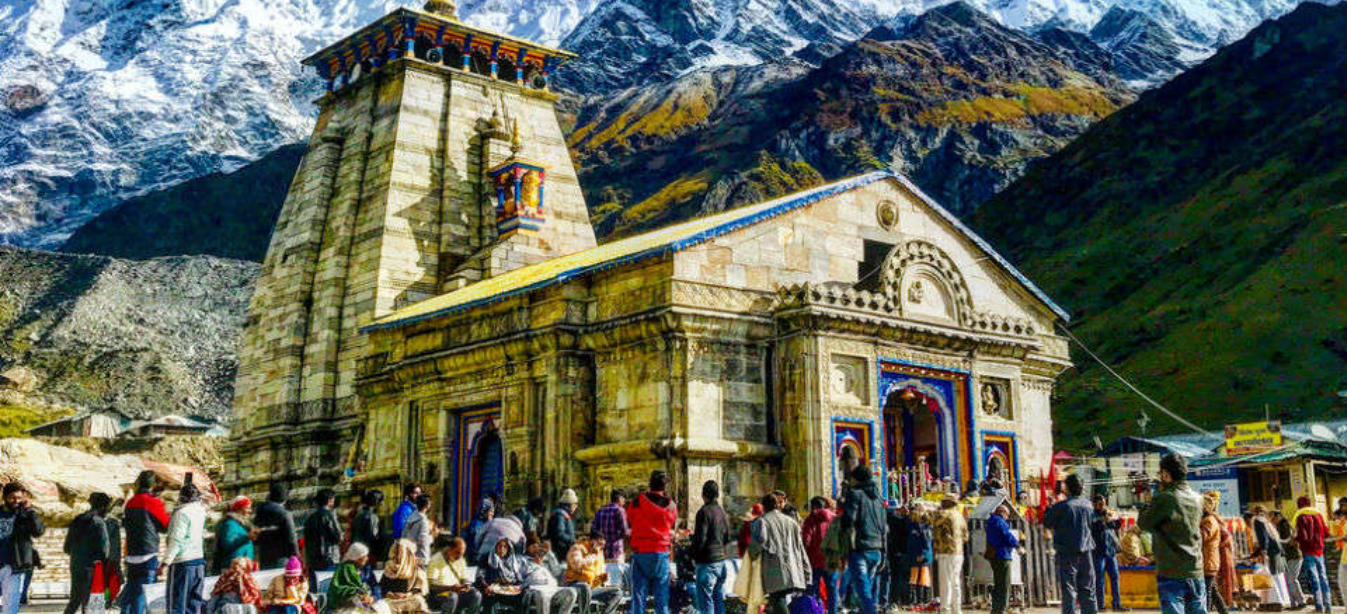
(652, 516)
(1310, 533)
(144, 519)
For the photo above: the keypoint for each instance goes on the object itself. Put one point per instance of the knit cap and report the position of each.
(293, 567)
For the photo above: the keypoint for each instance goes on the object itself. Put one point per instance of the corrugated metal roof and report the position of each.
(1327, 450)
(665, 241)
(1132, 444)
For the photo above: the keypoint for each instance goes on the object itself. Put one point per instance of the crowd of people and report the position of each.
(862, 552)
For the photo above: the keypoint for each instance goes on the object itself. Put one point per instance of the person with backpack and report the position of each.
(86, 543)
(949, 532)
(863, 514)
(419, 530)
(1291, 555)
(145, 518)
(405, 509)
(918, 557)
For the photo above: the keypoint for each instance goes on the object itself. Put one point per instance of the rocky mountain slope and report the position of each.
(631, 42)
(1198, 236)
(103, 101)
(954, 99)
(147, 337)
(1144, 49)
(229, 215)
(544, 21)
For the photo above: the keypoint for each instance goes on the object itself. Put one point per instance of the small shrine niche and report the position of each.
(519, 197)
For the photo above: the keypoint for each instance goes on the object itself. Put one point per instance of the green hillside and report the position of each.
(1199, 236)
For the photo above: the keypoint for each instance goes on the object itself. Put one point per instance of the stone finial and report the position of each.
(516, 143)
(446, 8)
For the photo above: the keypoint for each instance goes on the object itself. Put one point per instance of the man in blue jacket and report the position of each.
(1070, 522)
(404, 511)
(1001, 544)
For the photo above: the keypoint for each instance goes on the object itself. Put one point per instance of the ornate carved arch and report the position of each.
(917, 258)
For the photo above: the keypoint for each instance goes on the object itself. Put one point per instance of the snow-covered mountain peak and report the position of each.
(104, 99)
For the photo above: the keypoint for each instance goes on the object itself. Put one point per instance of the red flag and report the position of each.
(1046, 488)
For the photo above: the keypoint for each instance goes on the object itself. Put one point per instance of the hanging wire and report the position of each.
(1153, 402)
(1127, 481)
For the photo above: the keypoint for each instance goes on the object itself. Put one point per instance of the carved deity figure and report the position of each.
(528, 194)
(991, 401)
(916, 292)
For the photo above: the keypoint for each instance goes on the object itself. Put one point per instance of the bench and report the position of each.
(618, 576)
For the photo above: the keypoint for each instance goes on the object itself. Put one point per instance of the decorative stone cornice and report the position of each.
(677, 447)
(1009, 325)
(843, 308)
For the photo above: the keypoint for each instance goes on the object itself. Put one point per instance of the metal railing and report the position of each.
(1037, 568)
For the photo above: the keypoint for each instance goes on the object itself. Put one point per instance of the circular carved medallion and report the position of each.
(887, 212)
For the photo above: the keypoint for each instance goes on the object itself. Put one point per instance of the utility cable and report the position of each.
(1153, 402)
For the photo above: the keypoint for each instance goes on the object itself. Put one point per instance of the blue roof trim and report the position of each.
(986, 247)
(787, 203)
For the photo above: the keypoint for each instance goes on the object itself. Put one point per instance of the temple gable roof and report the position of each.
(672, 239)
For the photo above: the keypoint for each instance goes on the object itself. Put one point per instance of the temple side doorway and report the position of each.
(478, 463)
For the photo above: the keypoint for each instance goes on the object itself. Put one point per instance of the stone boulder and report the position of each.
(61, 479)
(18, 378)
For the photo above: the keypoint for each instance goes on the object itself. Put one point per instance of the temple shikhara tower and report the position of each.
(434, 307)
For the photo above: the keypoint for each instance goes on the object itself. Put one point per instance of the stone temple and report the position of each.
(434, 307)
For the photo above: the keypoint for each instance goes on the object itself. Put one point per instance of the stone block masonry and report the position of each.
(389, 207)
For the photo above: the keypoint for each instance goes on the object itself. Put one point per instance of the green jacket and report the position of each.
(1173, 517)
(231, 542)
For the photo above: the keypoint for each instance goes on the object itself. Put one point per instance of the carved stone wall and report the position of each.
(727, 390)
(387, 203)
(697, 364)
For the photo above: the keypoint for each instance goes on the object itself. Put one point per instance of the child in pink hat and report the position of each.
(289, 592)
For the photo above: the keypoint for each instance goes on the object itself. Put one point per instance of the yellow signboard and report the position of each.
(1252, 437)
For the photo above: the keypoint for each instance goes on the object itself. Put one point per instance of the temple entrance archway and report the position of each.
(927, 423)
(912, 433)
